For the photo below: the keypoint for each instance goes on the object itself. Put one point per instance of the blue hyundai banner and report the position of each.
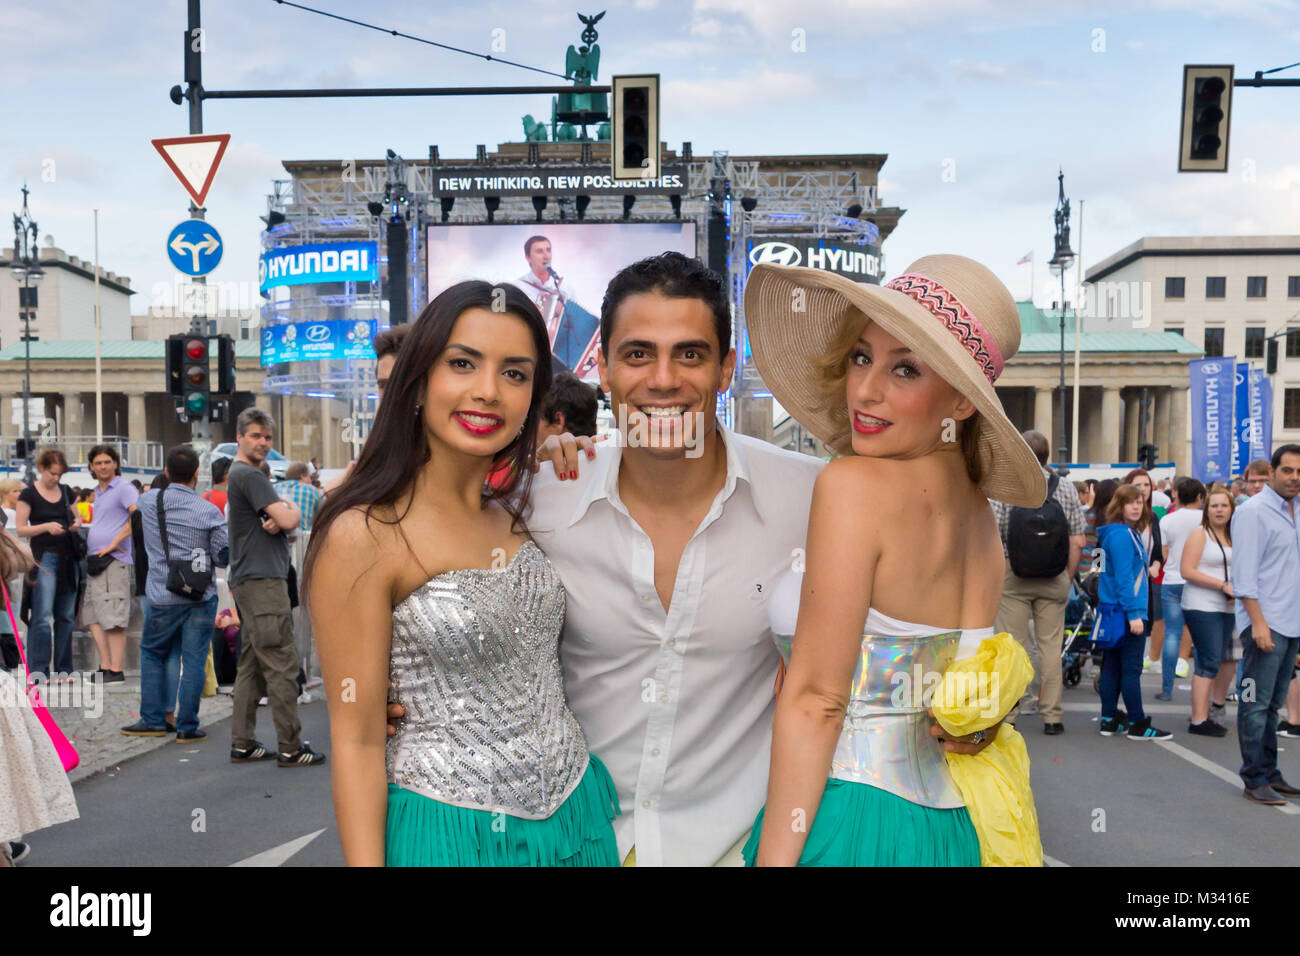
(1211, 407)
(1240, 418)
(309, 341)
(1261, 415)
(322, 262)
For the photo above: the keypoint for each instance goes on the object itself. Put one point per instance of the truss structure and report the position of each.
(333, 201)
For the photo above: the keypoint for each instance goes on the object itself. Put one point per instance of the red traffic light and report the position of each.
(196, 350)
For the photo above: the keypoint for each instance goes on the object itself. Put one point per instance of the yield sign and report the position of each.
(194, 160)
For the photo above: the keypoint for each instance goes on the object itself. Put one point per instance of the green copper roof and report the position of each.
(110, 349)
(1170, 342)
(1040, 331)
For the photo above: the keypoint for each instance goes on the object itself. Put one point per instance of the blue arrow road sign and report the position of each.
(194, 247)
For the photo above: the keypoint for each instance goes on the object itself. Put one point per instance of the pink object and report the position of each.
(67, 753)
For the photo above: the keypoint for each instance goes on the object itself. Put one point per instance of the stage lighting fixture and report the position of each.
(446, 202)
(539, 203)
(273, 218)
(582, 203)
(628, 202)
(492, 204)
(376, 208)
(677, 206)
(749, 203)
(854, 211)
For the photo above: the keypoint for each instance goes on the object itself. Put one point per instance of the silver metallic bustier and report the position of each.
(885, 740)
(475, 663)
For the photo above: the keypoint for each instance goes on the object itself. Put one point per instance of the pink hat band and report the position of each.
(958, 319)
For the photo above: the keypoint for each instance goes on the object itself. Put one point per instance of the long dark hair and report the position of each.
(1101, 500)
(397, 447)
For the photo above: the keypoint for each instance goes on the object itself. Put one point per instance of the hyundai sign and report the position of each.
(859, 263)
(323, 262)
(309, 341)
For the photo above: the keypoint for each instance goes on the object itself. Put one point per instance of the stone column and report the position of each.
(137, 424)
(1110, 430)
(1132, 408)
(1180, 451)
(1043, 416)
(1160, 424)
(73, 422)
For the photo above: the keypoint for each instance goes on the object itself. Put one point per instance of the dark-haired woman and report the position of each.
(1122, 605)
(421, 576)
(47, 518)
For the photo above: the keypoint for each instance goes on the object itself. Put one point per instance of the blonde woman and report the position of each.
(904, 563)
(1208, 611)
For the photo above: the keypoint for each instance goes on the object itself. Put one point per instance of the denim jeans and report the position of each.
(1211, 638)
(172, 669)
(169, 626)
(1121, 669)
(48, 599)
(1171, 602)
(1266, 677)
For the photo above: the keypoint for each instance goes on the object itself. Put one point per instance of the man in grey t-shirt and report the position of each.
(259, 566)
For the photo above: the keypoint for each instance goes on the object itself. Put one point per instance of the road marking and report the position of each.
(277, 855)
(1052, 861)
(1223, 773)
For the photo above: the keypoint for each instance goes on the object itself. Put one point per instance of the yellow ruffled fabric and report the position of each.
(975, 693)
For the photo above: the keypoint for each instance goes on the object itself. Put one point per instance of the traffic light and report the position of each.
(175, 365)
(634, 153)
(197, 377)
(1207, 105)
(1147, 455)
(225, 365)
(1270, 363)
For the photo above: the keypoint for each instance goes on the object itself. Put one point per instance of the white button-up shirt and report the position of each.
(678, 705)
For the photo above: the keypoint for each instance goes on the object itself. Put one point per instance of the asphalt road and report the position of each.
(1102, 801)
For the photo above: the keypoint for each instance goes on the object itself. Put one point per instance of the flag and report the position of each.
(1027, 257)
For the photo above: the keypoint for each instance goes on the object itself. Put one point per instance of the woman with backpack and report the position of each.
(1208, 610)
(1124, 615)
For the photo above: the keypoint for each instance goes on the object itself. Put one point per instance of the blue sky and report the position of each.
(999, 92)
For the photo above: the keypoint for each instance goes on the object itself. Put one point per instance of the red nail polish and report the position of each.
(573, 475)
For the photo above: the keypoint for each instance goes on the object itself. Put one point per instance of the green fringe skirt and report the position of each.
(861, 825)
(426, 832)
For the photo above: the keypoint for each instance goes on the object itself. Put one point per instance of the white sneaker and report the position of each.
(1147, 664)
(304, 697)
(1181, 670)
(262, 702)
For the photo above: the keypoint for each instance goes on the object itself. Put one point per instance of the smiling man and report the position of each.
(668, 544)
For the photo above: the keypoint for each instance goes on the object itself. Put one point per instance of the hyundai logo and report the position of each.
(317, 333)
(775, 253)
(1213, 368)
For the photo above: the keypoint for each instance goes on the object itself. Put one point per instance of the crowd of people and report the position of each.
(84, 557)
(538, 650)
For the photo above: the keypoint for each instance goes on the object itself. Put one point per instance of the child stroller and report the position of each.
(1080, 623)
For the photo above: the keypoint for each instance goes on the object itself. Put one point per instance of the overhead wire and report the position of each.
(408, 36)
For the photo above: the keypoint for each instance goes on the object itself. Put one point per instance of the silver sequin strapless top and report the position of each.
(475, 663)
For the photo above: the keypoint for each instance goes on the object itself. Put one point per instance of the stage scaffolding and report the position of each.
(331, 201)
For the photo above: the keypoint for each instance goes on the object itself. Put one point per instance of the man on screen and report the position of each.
(571, 327)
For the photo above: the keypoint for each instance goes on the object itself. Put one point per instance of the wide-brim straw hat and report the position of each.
(952, 312)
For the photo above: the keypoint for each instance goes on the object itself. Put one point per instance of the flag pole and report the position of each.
(99, 371)
(1078, 305)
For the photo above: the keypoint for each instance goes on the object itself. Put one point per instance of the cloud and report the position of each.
(725, 93)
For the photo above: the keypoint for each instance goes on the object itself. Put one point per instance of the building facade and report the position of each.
(1227, 295)
(65, 301)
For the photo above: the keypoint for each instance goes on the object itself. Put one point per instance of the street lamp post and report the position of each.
(1061, 260)
(26, 268)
